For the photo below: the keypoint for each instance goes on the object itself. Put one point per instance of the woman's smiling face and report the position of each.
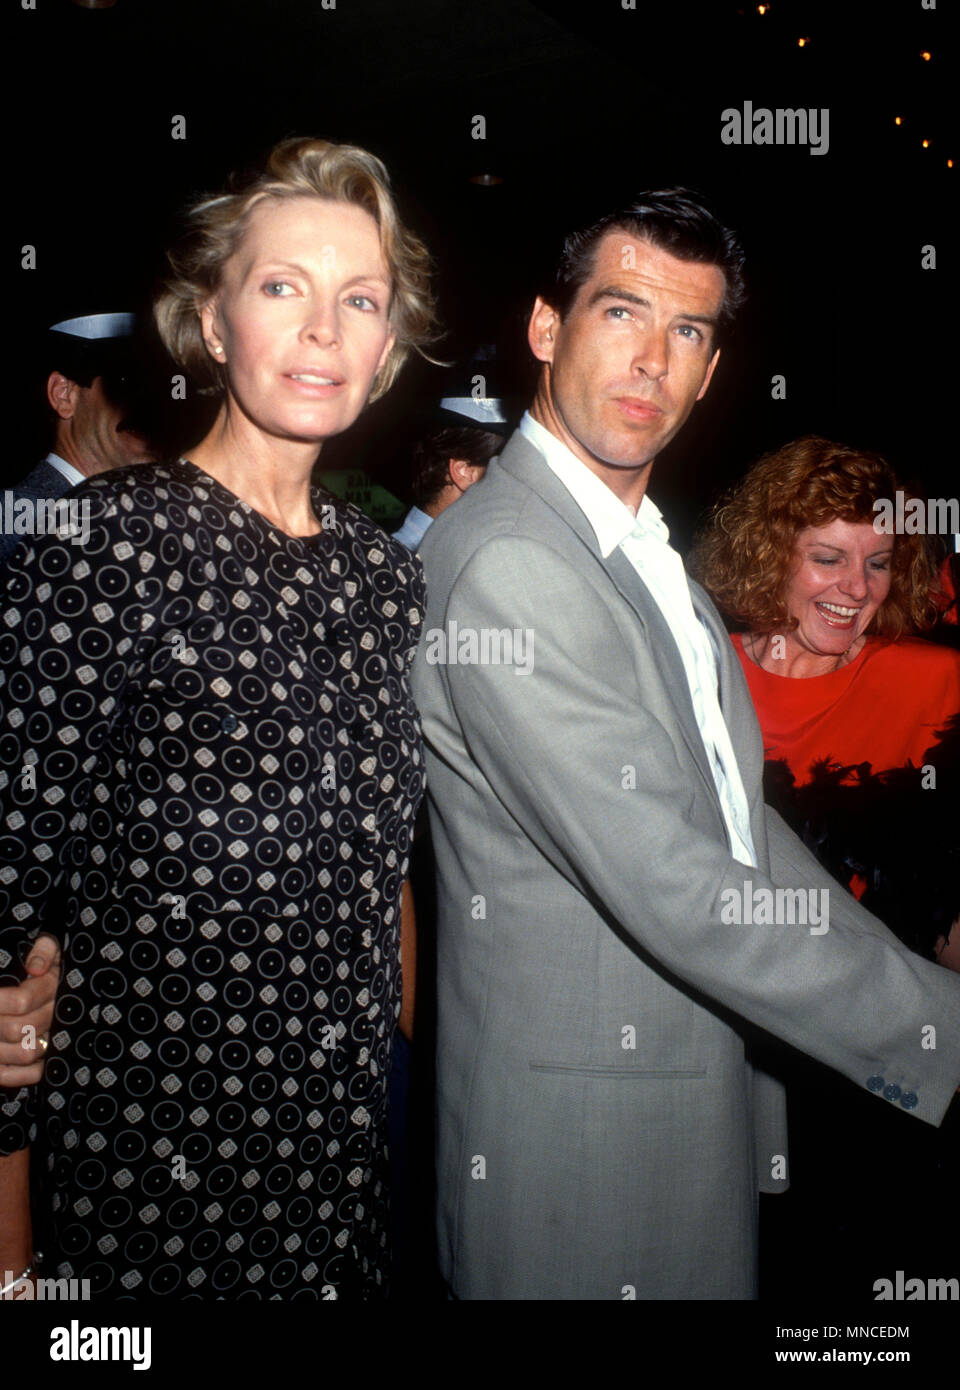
(839, 578)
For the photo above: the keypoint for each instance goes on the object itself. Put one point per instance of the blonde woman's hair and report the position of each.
(215, 227)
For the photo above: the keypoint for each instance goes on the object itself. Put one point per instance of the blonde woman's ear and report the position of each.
(208, 327)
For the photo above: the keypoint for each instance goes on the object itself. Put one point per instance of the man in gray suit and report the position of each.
(617, 909)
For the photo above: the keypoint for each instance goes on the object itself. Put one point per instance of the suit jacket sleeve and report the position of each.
(553, 746)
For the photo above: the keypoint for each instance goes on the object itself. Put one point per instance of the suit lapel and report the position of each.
(736, 702)
(521, 459)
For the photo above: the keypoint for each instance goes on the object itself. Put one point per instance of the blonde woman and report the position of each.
(211, 768)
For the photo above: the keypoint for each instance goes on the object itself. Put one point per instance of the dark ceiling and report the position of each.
(582, 103)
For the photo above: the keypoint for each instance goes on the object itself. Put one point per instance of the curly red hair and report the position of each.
(744, 555)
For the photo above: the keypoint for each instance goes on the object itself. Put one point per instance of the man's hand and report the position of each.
(26, 1016)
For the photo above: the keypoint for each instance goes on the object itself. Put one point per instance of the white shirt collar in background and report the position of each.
(72, 475)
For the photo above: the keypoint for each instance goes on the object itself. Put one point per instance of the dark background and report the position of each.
(584, 103)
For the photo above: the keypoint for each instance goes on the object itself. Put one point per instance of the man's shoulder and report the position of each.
(505, 505)
(43, 480)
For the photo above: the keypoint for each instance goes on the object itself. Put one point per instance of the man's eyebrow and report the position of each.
(614, 292)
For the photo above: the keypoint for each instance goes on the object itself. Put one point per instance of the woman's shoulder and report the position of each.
(369, 541)
(390, 574)
(143, 487)
(913, 657)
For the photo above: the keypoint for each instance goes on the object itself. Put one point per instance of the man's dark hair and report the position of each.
(676, 220)
(432, 455)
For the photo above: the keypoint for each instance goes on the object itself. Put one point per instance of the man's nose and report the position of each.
(650, 354)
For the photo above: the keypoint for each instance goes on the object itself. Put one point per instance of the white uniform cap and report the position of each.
(97, 326)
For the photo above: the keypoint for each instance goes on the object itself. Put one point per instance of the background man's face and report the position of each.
(634, 353)
(97, 435)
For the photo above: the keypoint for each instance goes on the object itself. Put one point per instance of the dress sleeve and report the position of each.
(72, 631)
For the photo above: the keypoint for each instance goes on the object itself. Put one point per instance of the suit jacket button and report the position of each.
(909, 1099)
(876, 1083)
(891, 1092)
(229, 723)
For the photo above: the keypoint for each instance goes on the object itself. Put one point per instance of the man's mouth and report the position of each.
(638, 409)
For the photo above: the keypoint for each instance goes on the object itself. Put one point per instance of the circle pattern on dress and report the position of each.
(210, 764)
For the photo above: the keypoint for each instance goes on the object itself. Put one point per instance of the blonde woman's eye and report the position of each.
(278, 289)
(363, 301)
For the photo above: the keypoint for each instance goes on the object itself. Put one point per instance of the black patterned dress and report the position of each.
(210, 764)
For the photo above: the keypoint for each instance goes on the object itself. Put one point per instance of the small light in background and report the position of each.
(949, 163)
(926, 144)
(486, 180)
(898, 120)
(762, 9)
(926, 56)
(95, 4)
(802, 43)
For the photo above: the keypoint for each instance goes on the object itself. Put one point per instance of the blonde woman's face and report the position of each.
(840, 577)
(301, 318)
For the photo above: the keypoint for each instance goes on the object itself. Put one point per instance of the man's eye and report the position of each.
(278, 289)
(693, 335)
(618, 309)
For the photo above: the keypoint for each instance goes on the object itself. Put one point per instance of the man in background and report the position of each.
(89, 368)
(467, 432)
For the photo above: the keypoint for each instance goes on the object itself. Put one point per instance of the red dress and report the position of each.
(884, 707)
(895, 844)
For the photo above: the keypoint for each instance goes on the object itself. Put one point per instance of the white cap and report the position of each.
(486, 410)
(96, 326)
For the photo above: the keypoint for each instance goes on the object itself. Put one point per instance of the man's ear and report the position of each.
(464, 474)
(62, 394)
(542, 331)
(709, 376)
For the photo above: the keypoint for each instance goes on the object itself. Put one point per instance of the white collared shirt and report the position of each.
(72, 475)
(645, 541)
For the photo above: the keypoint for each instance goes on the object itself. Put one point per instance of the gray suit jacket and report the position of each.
(601, 1130)
(42, 481)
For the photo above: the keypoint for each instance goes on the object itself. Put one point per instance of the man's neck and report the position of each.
(62, 449)
(628, 484)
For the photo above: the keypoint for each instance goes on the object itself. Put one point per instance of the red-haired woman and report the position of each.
(858, 714)
(860, 726)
